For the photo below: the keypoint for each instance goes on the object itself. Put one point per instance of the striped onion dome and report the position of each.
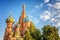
(10, 19)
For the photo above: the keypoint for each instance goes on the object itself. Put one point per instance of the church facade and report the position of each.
(17, 32)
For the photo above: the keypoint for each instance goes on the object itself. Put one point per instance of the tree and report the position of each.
(28, 36)
(37, 34)
(50, 33)
(59, 38)
(34, 32)
(32, 27)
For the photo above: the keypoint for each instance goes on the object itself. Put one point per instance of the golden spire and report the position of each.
(10, 12)
(23, 11)
(23, 7)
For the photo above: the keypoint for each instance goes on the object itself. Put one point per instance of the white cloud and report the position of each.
(58, 15)
(46, 1)
(50, 5)
(57, 5)
(52, 19)
(52, 14)
(30, 16)
(58, 23)
(57, 0)
(46, 15)
(33, 19)
(39, 6)
(1, 38)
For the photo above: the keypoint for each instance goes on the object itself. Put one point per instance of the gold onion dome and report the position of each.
(10, 19)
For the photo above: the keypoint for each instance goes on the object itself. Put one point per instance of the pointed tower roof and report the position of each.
(23, 15)
(10, 19)
(23, 11)
(23, 7)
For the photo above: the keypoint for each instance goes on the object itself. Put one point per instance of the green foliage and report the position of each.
(36, 35)
(34, 32)
(32, 27)
(50, 33)
(59, 38)
(28, 36)
(17, 34)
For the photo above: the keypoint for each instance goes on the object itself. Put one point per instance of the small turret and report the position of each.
(9, 31)
(17, 26)
(17, 31)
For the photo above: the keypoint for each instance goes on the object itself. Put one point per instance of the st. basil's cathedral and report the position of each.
(17, 32)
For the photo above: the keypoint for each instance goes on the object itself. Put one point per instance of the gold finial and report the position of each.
(23, 7)
(10, 13)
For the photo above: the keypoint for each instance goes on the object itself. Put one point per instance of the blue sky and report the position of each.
(40, 12)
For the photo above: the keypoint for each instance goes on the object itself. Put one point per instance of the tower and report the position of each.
(23, 21)
(17, 32)
(8, 31)
(23, 15)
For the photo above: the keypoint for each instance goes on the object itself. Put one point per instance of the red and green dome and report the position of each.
(26, 19)
(18, 25)
(10, 19)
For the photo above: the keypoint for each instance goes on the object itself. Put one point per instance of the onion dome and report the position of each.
(17, 25)
(26, 19)
(10, 19)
